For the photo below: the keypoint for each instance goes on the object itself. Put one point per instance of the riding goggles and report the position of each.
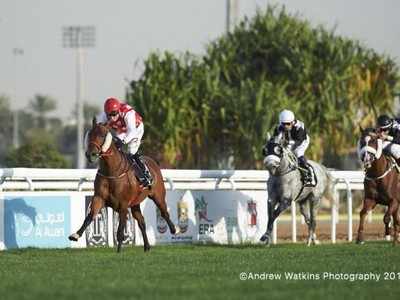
(112, 114)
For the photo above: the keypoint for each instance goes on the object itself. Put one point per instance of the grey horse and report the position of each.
(285, 185)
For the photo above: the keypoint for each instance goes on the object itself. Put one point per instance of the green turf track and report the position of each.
(203, 272)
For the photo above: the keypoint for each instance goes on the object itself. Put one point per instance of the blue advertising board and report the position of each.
(37, 221)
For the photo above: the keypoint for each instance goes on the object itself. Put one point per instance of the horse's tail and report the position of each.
(329, 193)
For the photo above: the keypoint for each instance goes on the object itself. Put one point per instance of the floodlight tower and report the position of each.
(232, 15)
(79, 37)
(16, 51)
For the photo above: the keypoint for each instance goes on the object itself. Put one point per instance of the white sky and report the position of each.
(127, 30)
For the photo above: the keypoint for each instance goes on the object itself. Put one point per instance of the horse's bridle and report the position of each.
(368, 154)
(277, 158)
(103, 149)
(371, 154)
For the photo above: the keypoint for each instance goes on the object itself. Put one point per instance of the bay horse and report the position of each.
(116, 186)
(381, 182)
(285, 185)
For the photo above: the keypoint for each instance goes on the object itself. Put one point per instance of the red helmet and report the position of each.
(111, 104)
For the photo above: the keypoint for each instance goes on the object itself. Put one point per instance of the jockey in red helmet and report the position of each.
(129, 128)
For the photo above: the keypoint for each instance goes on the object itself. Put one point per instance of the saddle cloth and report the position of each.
(303, 174)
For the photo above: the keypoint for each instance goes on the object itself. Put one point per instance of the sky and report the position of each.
(126, 31)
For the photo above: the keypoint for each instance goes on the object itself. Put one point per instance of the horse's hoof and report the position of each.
(74, 237)
(146, 249)
(360, 241)
(317, 242)
(177, 230)
(387, 238)
(265, 240)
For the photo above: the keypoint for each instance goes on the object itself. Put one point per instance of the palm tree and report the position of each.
(41, 105)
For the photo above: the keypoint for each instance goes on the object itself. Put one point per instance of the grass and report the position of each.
(201, 272)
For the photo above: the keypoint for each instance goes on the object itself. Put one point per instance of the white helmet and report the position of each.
(286, 116)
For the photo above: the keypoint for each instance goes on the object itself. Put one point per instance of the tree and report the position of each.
(89, 111)
(37, 155)
(6, 128)
(215, 110)
(40, 105)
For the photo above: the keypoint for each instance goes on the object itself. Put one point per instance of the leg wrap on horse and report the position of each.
(144, 175)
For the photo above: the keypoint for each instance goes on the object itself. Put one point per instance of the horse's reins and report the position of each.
(381, 176)
(385, 173)
(101, 153)
(140, 189)
(116, 177)
(105, 154)
(294, 167)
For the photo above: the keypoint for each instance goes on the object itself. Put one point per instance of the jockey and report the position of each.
(291, 133)
(389, 131)
(129, 131)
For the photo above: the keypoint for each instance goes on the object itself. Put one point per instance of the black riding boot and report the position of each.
(308, 179)
(147, 179)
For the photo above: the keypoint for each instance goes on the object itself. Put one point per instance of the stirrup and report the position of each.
(146, 183)
(308, 181)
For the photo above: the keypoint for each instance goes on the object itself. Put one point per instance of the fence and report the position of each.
(247, 184)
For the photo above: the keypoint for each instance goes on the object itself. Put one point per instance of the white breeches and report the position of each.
(392, 148)
(134, 144)
(301, 149)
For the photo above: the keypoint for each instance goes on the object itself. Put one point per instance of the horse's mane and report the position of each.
(372, 131)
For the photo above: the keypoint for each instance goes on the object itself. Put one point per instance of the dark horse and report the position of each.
(116, 186)
(381, 183)
(285, 185)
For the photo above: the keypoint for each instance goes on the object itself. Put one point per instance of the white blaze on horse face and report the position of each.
(379, 148)
(368, 153)
(107, 143)
(86, 143)
(359, 152)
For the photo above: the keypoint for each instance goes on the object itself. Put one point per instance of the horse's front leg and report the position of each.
(369, 204)
(96, 205)
(123, 214)
(272, 215)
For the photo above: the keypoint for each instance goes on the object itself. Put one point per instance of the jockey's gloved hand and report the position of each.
(118, 142)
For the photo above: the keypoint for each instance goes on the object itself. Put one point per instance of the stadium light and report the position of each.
(79, 37)
(16, 51)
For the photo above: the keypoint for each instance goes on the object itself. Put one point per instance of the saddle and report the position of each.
(394, 161)
(139, 174)
(304, 176)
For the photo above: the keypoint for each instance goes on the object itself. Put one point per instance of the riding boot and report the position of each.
(147, 179)
(308, 179)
